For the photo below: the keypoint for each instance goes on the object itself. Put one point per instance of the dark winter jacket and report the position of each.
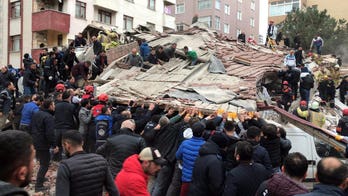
(43, 130)
(7, 189)
(343, 90)
(208, 172)
(84, 174)
(188, 153)
(97, 47)
(119, 147)
(162, 56)
(280, 185)
(170, 52)
(69, 58)
(6, 101)
(64, 115)
(153, 59)
(273, 148)
(324, 190)
(79, 41)
(27, 62)
(307, 82)
(342, 127)
(29, 109)
(245, 179)
(29, 78)
(260, 155)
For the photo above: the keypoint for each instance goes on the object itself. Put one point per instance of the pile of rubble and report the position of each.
(227, 76)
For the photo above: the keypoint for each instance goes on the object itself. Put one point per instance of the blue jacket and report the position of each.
(324, 190)
(103, 128)
(188, 153)
(29, 109)
(144, 50)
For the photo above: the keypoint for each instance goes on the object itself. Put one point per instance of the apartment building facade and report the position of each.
(29, 25)
(278, 9)
(226, 17)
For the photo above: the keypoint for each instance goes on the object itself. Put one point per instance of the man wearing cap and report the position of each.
(133, 178)
(342, 127)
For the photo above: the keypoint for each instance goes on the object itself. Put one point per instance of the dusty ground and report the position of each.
(51, 183)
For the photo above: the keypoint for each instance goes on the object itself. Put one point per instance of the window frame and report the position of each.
(252, 22)
(210, 24)
(217, 23)
(180, 27)
(125, 19)
(16, 9)
(239, 15)
(149, 5)
(102, 16)
(253, 5)
(228, 28)
(176, 8)
(228, 11)
(218, 4)
(79, 8)
(13, 39)
(207, 4)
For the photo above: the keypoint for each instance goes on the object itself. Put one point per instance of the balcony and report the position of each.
(168, 21)
(51, 20)
(169, 2)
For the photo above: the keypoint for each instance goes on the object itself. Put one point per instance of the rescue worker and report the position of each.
(302, 110)
(287, 96)
(315, 116)
(342, 127)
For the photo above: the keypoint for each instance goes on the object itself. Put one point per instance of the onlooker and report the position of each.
(170, 51)
(44, 139)
(133, 178)
(79, 41)
(208, 172)
(271, 142)
(191, 55)
(7, 103)
(342, 126)
(260, 154)
(188, 153)
(122, 145)
(247, 176)
(6, 76)
(27, 61)
(30, 80)
(85, 117)
(287, 183)
(29, 109)
(332, 177)
(80, 72)
(285, 144)
(97, 47)
(134, 59)
(77, 176)
(144, 50)
(17, 162)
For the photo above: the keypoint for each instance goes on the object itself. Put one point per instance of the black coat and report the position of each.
(208, 172)
(7, 189)
(69, 58)
(64, 115)
(260, 155)
(97, 47)
(119, 147)
(29, 78)
(343, 89)
(245, 179)
(273, 148)
(42, 128)
(307, 82)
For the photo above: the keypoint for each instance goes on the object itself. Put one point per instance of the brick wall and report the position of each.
(120, 51)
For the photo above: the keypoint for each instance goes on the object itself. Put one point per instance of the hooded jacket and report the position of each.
(132, 180)
(208, 172)
(280, 185)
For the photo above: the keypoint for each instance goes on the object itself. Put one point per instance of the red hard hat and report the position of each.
(60, 87)
(103, 97)
(303, 103)
(345, 112)
(89, 89)
(285, 83)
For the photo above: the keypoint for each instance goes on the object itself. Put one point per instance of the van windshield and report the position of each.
(325, 150)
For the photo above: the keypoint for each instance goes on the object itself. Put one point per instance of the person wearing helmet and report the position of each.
(287, 96)
(60, 88)
(302, 110)
(102, 99)
(89, 90)
(342, 127)
(315, 115)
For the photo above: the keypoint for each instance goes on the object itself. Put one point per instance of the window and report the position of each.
(226, 28)
(217, 23)
(127, 23)
(180, 27)
(283, 7)
(15, 42)
(239, 15)
(80, 11)
(206, 20)
(16, 9)
(217, 4)
(180, 8)
(151, 25)
(252, 5)
(238, 32)
(252, 22)
(227, 9)
(104, 17)
(151, 4)
(204, 4)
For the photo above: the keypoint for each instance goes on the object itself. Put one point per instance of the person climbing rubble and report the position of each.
(287, 96)
(191, 55)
